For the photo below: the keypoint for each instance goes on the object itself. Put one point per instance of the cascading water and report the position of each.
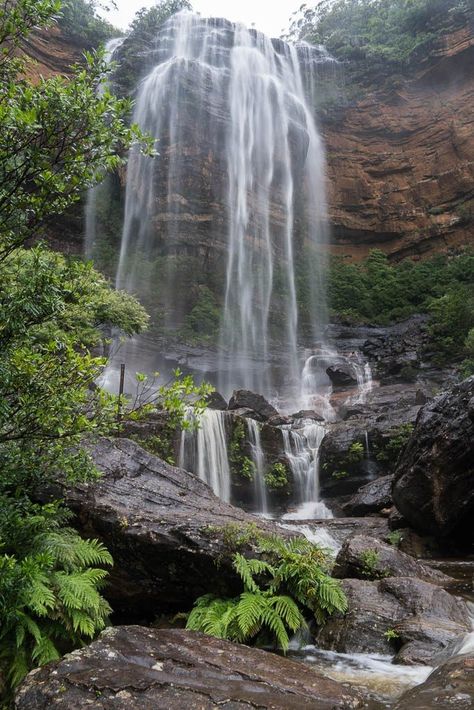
(302, 452)
(94, 194)
(258, 459)
(204, 451)
(240, 157)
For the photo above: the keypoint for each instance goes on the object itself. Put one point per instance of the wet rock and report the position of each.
(449, 686)
(308, 414)
(341, 375)
(216, 401)
(342, 529)
(351, 561)
(161, 525)
(434, 476)
(404, 608)
(251, 400)
(371, 498)
(131, 667)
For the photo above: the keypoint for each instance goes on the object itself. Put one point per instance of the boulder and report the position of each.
(216, 401)
(371, 498)
(434, 476)
(163, 527)
(351, 561)
(342, 375)
(136, 668)
(449, 686)
(384, 616)
(245, 399)
(307, 414)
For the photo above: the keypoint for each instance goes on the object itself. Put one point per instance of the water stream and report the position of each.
(204, 451)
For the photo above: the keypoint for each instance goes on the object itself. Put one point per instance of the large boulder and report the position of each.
(402, 614)
(135, 668)
(434, 477)
(163, 527)
(245, 399)
(363, 557)
(371, 498)
(342, 375)
(449, 686)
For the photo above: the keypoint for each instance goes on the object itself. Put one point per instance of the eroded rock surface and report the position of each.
(423, 617)
(353, 560)
(161, 525)
(433, 486)
(449, 686)
(132, 667)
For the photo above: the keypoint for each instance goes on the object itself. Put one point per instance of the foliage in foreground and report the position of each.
(286, 585)
(57, 138)
(49, 585)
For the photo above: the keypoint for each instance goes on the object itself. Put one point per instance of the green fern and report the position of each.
(48, 597)
(292, 580)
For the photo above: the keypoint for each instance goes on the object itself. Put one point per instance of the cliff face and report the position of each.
(50, 53)
(401, 158)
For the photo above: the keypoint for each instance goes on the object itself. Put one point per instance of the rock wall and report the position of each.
(401, 156)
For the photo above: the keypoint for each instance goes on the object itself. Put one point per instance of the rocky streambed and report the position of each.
(406, 640)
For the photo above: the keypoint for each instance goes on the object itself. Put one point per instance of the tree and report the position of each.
(56, 138)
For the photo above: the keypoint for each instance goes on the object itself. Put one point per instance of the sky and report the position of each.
(269, 16)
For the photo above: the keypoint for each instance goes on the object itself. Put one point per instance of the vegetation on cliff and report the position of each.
(80, 21)
(377, 291)
(376, 30)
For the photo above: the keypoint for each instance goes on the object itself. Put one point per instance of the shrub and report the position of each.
(277, 477)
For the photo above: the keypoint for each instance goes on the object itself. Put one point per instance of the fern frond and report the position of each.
(247, 569)
(288, 611)
(249, 612)
(44, 651)
(274, 623)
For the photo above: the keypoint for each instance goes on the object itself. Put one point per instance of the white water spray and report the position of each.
(204, 451)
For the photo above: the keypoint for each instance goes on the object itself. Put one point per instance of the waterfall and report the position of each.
(302, 452)
(94, 194)
(204, 451)
(258, 459)
(238, 189)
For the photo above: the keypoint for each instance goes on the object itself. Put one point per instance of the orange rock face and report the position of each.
(401, 159)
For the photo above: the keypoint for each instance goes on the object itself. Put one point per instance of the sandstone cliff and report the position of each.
(401, 156)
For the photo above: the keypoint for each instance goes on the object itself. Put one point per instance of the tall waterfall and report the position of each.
(95, 193)
(238, 189)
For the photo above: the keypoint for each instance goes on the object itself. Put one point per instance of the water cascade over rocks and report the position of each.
(204, 452)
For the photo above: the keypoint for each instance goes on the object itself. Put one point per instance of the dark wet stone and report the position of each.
(449, 686)
(371, 498)
(390, 562)
(136, 668)
(251, 400)
(434, 476)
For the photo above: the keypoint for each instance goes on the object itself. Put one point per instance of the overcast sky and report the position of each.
(269, 16)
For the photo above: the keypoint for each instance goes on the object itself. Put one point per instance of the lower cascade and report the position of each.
(205, 452)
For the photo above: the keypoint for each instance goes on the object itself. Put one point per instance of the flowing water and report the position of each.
(204, 451)
(98, 192)
(258, 459)
(241, 98)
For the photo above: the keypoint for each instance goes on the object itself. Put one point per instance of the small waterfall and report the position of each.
(94, 194)
(302, 451)
(258, 459)
(204, 452)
